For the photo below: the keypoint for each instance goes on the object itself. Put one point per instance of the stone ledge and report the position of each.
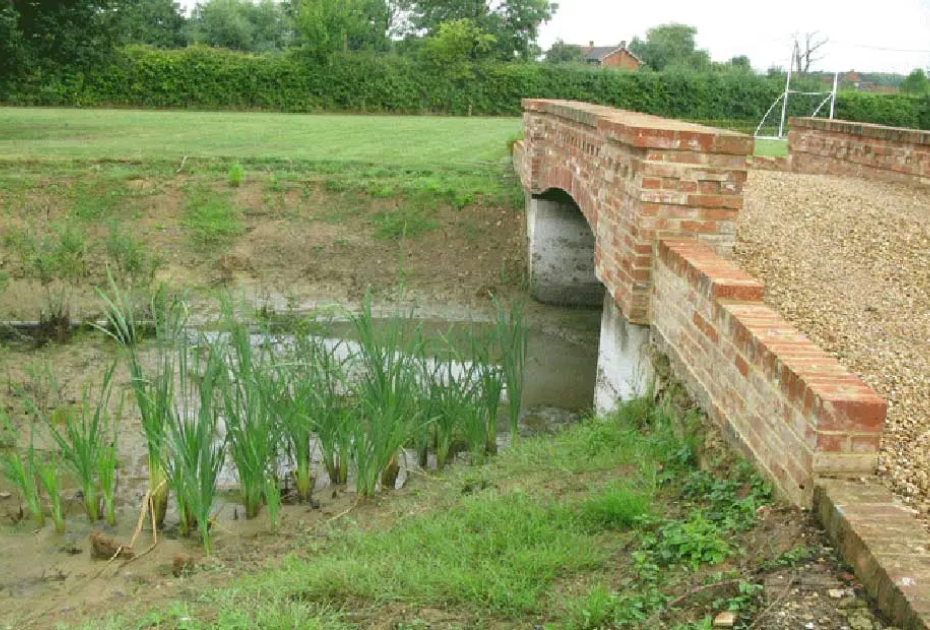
(887, 547)
(864, 130)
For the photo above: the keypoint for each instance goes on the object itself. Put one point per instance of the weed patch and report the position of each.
(211, 218)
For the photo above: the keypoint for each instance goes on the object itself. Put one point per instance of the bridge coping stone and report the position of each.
(645, 130)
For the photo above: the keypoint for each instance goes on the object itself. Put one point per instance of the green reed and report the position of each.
(153, 391)
(107, 464)
(251, 430)
(50, 480)
(317, 384)
(490, 385)
(84, 439)
(194, 455)
(388, 395)
(21, 471)
(510, 337)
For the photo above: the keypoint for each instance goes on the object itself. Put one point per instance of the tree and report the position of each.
(328, 28)
(670, 46)
(916, 83)
(456, 42)
(242, 25)
(158, 23)
(560, 52)
(805, 51)
(58, 35)
(740, 62)
(513, 23)
(11, 43)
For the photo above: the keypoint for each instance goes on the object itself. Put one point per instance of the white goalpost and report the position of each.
(829, 97)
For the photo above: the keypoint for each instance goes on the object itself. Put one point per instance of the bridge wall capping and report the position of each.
(786, 403)
(635, 178)
(840, 147)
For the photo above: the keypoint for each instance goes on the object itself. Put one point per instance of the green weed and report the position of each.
(404, 222)
(131, 260)
(235, 175)
(616, 506)
(211, 218)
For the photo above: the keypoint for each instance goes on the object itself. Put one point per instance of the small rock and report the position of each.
(182, 564)
(837, 593)
(5, 495)
(103, 547)
(726, 619)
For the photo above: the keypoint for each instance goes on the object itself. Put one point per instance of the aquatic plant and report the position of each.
(319, 406)
(510, 338)
(154, 391)
(50, 480)
(106, 471)
(387, 393)
(194, 454)
(83, 440)
(21, 470)
(251, 430)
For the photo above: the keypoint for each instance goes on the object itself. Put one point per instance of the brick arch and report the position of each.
(636, 178)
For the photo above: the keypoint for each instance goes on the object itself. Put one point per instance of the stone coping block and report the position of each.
(645, 130)
(865, 130)
(885, 544)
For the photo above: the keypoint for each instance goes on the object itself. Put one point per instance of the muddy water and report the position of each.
(44, 576)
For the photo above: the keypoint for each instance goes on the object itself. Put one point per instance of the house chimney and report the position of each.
(623, 44)
(591, 44)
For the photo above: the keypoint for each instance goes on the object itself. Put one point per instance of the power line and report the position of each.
(883, 48)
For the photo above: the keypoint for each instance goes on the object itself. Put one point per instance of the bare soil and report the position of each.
(848, 262)
(299, 246)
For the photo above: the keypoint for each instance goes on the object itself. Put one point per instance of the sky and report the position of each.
(763, 29)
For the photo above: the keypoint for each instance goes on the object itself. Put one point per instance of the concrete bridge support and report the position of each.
(561, 252)
(623, 368)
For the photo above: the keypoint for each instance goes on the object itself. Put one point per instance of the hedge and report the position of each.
(206, 78)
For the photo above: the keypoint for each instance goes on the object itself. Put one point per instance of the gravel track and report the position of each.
(848, 262)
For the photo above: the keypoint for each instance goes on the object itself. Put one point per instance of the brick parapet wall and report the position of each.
(791, 407)
(636, 178)
(839, 147)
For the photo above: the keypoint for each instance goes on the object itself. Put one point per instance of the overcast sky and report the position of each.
(763, 29)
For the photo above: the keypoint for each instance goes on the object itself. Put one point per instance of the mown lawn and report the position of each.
(772, 148)
(407, 141)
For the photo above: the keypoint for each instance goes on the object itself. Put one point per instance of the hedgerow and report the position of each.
(207, 78)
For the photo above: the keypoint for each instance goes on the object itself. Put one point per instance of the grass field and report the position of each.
(408, 141)
(411, 141)
(772, 148)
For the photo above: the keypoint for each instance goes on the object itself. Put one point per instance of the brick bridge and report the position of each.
(641, 212)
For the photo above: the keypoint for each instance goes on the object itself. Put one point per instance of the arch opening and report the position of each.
(561, 248)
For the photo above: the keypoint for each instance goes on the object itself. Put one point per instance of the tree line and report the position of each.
(50, 35)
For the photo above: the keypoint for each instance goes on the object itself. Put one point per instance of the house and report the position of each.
(611, 56)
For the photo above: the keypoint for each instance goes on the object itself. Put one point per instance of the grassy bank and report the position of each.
(608, 524)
